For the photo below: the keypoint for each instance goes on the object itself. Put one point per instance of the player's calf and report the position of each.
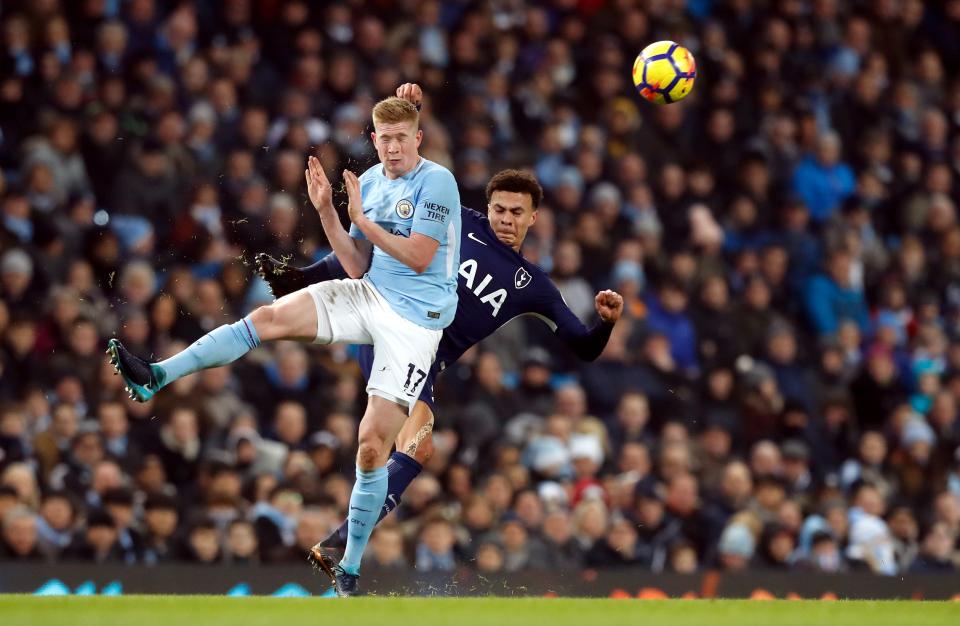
(416, 437)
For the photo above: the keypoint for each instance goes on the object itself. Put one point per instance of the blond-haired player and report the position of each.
(407, 210)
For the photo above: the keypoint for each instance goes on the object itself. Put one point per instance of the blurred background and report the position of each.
(782, 392)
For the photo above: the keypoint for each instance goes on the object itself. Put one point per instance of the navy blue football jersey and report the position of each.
(495, 285)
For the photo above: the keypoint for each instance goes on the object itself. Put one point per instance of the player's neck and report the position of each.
(390, 176)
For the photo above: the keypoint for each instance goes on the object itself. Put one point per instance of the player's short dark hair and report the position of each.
(517, 181)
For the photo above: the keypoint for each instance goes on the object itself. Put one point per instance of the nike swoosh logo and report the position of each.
(472, 236)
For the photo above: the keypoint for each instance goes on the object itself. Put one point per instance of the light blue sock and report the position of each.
(369, 493)
(220, 346)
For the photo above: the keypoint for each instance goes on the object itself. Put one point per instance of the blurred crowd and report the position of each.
(782, 392)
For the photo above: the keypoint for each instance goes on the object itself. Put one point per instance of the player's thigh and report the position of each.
(294, 316)
(403, 356)
(340, 306)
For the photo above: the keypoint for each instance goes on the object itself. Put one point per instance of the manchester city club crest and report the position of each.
(522, 278)
(404, 209)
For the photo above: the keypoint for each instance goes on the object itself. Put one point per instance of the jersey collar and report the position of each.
(408, 175)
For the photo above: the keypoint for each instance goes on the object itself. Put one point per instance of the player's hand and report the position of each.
(609, 305)
(318, 187)
(355, 206)
(412, 93)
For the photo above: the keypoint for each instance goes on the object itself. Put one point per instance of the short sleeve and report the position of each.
(438, 199)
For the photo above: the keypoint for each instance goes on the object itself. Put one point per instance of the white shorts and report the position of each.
(353, 311)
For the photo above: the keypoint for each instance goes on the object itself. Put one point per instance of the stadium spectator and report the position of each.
(435, 549)
(736, 547)
(386, 549)
(935, 555)
(56, 523)
(822, 180)
(831, 298)
(203, 544)
(99, 542)
(160, 525)
(240, 547)
(20, 539)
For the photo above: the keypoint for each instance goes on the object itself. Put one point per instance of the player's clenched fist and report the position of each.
(412, 93)
(355, 206)
(609, 305)
(318, 187)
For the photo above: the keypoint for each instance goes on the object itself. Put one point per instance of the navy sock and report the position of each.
(327, 268)
(401, 470)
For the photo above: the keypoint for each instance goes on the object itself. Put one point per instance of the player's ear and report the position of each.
(419, 137)
(373, 137)
(533, 216)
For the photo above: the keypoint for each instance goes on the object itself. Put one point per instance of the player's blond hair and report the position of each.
(395, 110)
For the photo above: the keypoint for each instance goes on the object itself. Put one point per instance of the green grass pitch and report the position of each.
(383, 611)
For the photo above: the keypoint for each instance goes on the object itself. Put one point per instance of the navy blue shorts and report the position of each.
(426, 391)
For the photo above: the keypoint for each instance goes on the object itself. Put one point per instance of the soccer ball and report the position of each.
(664, 72)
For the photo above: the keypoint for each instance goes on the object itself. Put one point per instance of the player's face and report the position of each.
(397, 146)
(511, 214)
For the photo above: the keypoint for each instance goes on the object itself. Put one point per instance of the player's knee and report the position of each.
(265, 320)
(368, 454)
(369, 447)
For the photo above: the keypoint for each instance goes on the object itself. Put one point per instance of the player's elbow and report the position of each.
(421, 254)
(420, 266)
(421, 261)
(425, 260)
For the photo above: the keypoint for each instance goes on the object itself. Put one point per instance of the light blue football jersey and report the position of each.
(426, 200)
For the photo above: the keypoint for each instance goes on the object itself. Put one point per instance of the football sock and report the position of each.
(367, 498)
(327, 268)
(401, 470)
(220, 346)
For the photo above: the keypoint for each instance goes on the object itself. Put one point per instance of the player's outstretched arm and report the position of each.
(354, 255)
(415, 251)
(586, 343)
